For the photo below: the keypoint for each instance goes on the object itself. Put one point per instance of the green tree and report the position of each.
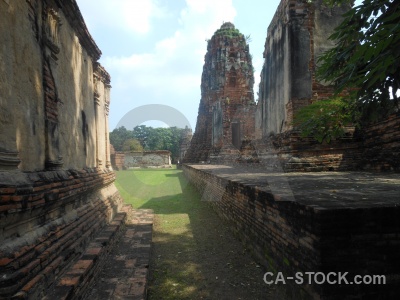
(143, 137)
(366, 58)
(364, 63)
(132, 145)
(118, 136)
(142, 133)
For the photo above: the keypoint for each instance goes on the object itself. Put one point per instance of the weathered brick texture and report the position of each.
(308, 233)
(54, 216)
(227, 107)
(375, 147)
(297, 35)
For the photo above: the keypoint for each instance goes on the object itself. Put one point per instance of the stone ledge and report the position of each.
(311, 222)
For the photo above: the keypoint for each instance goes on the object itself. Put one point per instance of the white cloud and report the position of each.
(170, 72)
(175, 64)
(127, 15)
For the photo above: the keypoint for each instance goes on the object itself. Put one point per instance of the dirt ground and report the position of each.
(204, 261)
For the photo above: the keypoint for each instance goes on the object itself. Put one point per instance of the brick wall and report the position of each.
(47, 219)
(290, 236)
(117, 160)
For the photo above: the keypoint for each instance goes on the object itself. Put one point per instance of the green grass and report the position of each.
(138, 187)
(194, 255)
(175, 204)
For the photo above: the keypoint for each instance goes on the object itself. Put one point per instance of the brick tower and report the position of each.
(226, 111)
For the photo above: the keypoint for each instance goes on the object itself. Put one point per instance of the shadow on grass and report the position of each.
(195, 256)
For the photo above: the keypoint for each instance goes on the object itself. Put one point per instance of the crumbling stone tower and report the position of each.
(226, 110)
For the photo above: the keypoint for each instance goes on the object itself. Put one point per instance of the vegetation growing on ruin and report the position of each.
(229, 32)
(365, 62)
(326, 119)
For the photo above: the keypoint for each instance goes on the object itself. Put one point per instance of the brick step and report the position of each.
(80, 275)
(29, 268)
(125, 273)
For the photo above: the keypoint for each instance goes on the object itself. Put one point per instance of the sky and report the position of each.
(154, 51)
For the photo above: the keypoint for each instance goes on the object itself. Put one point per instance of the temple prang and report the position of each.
(227, 106)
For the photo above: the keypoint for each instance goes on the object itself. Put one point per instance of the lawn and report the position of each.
(140, 186)
(194, 255)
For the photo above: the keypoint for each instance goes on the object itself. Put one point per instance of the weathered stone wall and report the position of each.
(227, 107)
(311, 231)
(146, 159)
(296, 37)
(21, 81)
(49, 87)
(56, 184)
(375, 147)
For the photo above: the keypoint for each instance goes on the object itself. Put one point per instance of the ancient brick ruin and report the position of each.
(296, 36)
(59, 209)
(227, 104)
(231, 129)
(303, 221)
(311, 222)
(60, 213)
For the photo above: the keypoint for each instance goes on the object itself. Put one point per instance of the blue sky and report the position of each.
(154, 49)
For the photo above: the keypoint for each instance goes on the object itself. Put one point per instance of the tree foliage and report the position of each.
(147, 138)
(364, 63)
(132, 145)
(366, 58)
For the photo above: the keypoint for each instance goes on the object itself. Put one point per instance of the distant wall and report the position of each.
(146, 159)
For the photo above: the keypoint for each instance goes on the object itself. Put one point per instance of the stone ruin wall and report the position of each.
(227, 107)
(147, 159)
(56, 181)
(297, 35)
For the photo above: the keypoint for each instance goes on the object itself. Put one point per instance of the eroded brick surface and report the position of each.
(227, 107)
(310, 222)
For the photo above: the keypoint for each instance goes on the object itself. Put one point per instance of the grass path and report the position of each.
(194, 254)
